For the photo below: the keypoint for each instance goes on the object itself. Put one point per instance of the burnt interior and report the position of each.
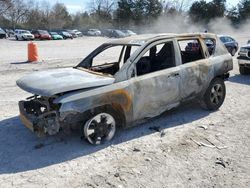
(159, 57)
(109, 68)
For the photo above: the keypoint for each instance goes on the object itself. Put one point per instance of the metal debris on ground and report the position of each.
(158, 129)
(162, 133)
(136, 150)
(220, 161)
(148, 159)
(208, 145)
(203, 127)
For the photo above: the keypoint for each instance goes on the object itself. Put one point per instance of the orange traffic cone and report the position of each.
(32, 52)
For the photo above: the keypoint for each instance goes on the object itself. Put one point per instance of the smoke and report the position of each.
(182, 24)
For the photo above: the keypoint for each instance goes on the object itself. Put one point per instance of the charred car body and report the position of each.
(143, 76)
(244, 59)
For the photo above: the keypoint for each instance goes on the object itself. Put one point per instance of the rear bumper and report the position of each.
(244, 63)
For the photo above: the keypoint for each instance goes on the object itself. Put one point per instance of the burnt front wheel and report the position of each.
(215, 95)
(100, 128)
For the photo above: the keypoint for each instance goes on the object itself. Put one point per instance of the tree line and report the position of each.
(30, 14)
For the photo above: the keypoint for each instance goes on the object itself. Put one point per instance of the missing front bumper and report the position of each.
(24, 117)
(46, 123)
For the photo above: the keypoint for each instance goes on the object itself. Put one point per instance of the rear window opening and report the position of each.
(210, 43)
(191, 50)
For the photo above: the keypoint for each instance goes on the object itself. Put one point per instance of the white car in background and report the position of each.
(94, 32)
(23, 35)
(78, 33)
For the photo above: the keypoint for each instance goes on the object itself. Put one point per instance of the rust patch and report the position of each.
(121, 97)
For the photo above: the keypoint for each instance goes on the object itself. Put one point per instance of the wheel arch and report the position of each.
(76, 118)
(114, 108)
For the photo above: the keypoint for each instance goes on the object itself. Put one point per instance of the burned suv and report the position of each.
(244, 59)
(126, 81)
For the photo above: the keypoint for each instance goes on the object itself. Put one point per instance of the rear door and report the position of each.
(194, 66)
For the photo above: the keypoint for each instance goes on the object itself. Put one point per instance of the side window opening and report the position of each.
(157, 58)
(191, 50)
(108, 61)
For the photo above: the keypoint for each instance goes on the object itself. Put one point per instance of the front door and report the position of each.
(156, 88)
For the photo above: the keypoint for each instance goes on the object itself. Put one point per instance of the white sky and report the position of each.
(83, 5)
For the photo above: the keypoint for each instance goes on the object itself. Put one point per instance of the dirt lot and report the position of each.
(180, 155)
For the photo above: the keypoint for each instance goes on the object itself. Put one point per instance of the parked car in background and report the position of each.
(10, 32)
(118, 34)
(244, 59)
(78, 33)
(72, 32)
(210, 45)
(94, 32)
(55, 36)
(124, 82)
(41, 34)
(21, 34)
(230, 43)
(3, 34)
(107, 32)
(248, 42)
(114, 33)
(65, 34)
(128, 32)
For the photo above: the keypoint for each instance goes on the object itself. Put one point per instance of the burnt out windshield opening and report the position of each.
(108, 58)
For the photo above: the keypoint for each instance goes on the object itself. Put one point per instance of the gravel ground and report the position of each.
(189, 148)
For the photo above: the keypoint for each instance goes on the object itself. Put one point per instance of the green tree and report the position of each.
(244, 10)
(137, 11)
(198, 10)
(59, 16)
(201, 11)
(124, 13)
(233, 15)
(153, 8)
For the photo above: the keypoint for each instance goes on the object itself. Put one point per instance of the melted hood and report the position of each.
(51, 82)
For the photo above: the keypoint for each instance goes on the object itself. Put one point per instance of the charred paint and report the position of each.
(139, 97)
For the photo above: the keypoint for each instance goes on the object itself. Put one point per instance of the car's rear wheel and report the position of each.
(100, 128)
(214, 95)
(16, 38)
